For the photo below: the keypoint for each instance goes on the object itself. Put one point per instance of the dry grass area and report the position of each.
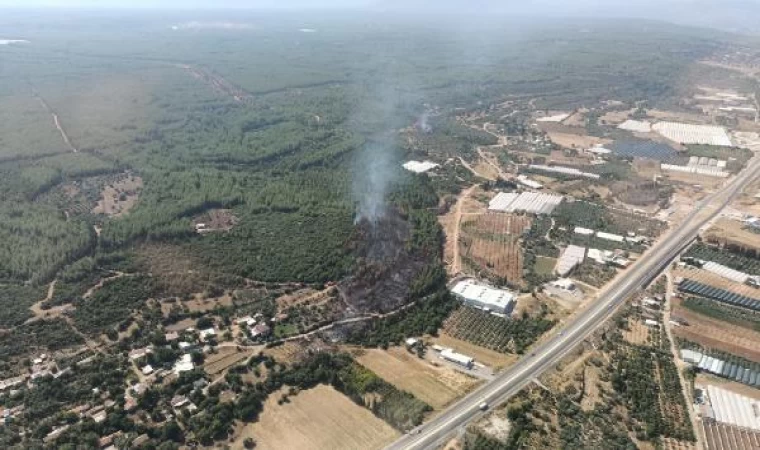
(488, 357)
(318, 418)
(577, 118)
(486, 170)
(577, 141)
(710, 183)
(292, 352)
(677, 116)
(181, 325)
(591, 392)
(732, 232)
(717, 334)
(226, 357)
(637, 332)
(120, 196)
(305, 297)
(436, 386)
(200, 303)
(616, 117)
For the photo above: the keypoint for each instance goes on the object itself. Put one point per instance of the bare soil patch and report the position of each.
(316, 418)
(436, 386)
(182, 325)
(119, 196)
(732, 233)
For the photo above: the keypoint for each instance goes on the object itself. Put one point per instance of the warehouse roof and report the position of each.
(492, 297)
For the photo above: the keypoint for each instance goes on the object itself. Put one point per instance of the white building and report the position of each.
(571, 257)
(525, 181)
(184, 364)
(610, 236)
(207, 333)
(583, 231)
(458, 358)
(637, 126)
(485, 297)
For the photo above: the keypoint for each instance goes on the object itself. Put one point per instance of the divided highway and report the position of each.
(546, 355)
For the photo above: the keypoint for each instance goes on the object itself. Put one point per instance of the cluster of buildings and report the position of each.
(482, 296)
(256, 325)
(701, 166)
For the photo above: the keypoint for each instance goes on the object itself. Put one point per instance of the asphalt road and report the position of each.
(546, 355)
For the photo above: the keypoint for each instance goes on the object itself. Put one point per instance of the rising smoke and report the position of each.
(376, 170)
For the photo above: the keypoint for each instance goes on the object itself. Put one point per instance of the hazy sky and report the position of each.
(738, 15)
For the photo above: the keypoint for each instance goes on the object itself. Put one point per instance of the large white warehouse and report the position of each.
(485, 297)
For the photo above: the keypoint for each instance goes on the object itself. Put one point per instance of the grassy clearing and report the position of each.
(317, 418)
(436, 386)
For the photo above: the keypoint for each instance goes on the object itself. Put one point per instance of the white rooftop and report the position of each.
(571, 257)
(495, 298)
(532, 202)
(184, 364)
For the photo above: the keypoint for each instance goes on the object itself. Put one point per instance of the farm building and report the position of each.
(735, 409)
(485, 297)
(458, 358)
(184, 364)
(726, 272)
(419, 166)
(525, 181)
(610, 236)
(730, 370)
(637, 126)
(531, 202)
(685, 133)
(563, 170)
(709, 171)
(571, 257)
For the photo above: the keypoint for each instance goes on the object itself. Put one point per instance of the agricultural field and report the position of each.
(491, 245)
(720, 436)
(320, 417)
(714, 326)
(505, 335)
(491, 358)
(725, 257)
(226, 357)
(436, 386)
